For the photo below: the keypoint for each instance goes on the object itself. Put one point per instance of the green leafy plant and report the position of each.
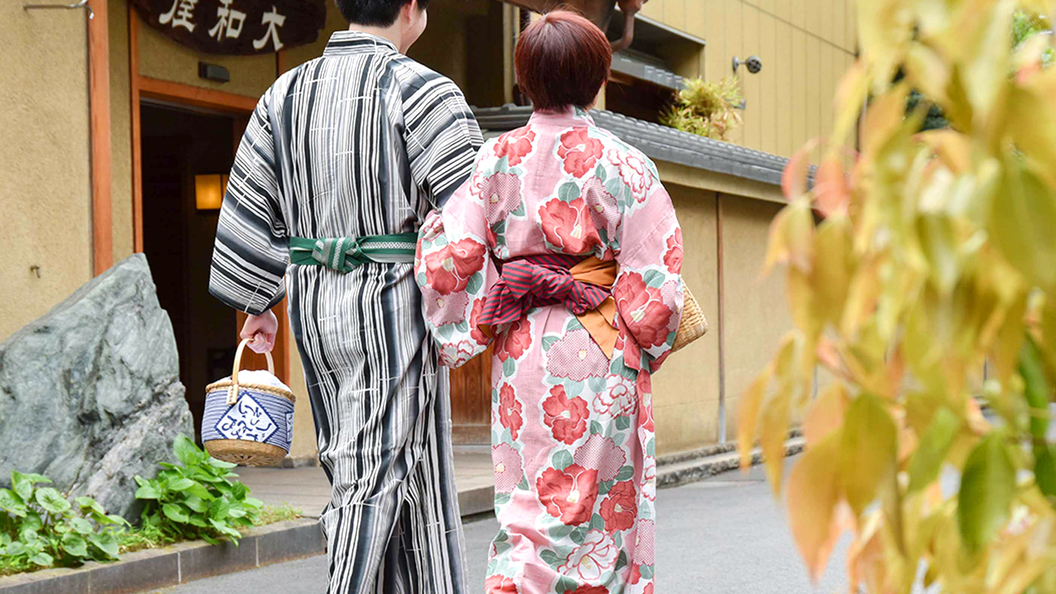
(198, 498)
(40, 527)
(706, 108)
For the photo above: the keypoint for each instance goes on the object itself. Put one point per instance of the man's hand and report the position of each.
(261, 331)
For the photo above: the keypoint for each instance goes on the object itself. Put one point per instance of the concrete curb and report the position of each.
(296, 539)
(681, 471)
(178, 564)
(476, 501)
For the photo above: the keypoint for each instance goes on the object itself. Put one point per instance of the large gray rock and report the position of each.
(90, 393)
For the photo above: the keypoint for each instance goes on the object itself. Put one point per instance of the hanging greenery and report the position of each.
(706, 108)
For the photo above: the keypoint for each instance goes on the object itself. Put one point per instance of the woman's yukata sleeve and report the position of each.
(648, 290)
(455, 269)
(251, 252)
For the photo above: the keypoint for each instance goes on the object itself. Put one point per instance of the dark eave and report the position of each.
(659, 143)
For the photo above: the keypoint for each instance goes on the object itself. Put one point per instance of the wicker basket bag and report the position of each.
(248, 423)
(693, 324)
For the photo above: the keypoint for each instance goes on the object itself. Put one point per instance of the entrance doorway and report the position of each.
(177, 144)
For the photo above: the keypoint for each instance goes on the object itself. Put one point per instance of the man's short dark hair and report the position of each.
(374, 13)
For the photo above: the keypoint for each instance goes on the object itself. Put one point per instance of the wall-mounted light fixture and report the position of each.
(213, 72)
(753, 63)
(209, 191)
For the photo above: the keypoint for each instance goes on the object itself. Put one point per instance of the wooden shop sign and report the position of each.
(237, 27)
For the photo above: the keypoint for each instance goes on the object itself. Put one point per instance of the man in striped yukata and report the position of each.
(342, 160)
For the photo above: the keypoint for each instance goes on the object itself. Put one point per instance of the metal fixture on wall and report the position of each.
(82, 4)
(753, 63)
(213, 72)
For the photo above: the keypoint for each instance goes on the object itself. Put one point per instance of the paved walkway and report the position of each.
(724, 535)
(306, 489)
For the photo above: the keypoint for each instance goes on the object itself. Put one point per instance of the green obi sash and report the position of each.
(345, 253)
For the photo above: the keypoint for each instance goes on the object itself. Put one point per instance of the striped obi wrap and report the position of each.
(584, 286)
(343, 254)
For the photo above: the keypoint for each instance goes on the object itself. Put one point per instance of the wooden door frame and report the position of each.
(183, 95)
(99, 137)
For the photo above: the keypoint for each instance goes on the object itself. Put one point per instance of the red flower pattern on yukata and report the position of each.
(634, 172)
(568, 494)
(568, 226)
(580, 151)
(644, 387)
(589, 590)
(502, 195)
(673, 257)
(593, 558)
(576, 357)
(632, 353)
(603, 209)
(510, 410)
(474, 328)
(566, 417)
(645, 543)
(499, 584)
(442, 310)
(509, 470)
(643, 310)
(449, 269)
(649, 478)
(620, 509)
(515, 145)
(456, 354)
(514, 342)
(618, 399)
(602, 454)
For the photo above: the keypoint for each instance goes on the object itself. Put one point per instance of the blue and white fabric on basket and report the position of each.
(256, 416)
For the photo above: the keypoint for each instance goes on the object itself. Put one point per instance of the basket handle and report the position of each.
(232, 392)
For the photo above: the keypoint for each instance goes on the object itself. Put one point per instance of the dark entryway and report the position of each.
(179, 144)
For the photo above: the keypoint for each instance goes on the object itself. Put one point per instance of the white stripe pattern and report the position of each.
(362, 141)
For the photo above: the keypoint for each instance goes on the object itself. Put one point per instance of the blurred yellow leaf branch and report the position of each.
(928, 286)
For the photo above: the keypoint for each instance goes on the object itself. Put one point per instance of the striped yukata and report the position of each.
(362, 141)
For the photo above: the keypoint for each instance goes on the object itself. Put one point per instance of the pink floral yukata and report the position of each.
(572, 430)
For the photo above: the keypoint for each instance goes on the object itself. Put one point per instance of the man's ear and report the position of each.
(408, 10)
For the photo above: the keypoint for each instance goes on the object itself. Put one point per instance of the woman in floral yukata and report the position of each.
(563, 251)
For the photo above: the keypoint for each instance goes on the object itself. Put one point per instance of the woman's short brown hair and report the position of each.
(562, 60)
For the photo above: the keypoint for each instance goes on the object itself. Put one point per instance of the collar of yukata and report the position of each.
(354, 42)
(570, 117)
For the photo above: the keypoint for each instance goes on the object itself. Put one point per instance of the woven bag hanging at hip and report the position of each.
(693, 324)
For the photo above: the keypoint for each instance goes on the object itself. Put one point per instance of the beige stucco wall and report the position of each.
(805, 46)
(755, 314)
(120, 131)
(44, 160)
(686, 390)
(162, 58)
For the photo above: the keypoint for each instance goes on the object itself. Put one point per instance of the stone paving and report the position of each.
(306, 488)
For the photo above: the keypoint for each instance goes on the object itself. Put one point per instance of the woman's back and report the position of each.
(572, 414)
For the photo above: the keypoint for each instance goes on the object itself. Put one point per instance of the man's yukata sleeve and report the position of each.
(648, 290)
(442, 138)
(252, 248)
(455, 269)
